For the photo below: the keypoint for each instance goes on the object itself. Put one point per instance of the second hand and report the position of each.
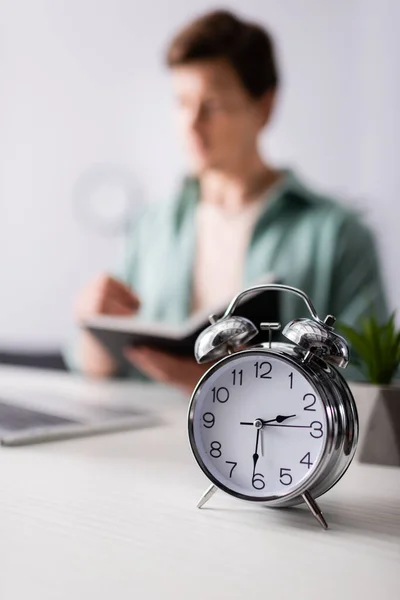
(291, 426)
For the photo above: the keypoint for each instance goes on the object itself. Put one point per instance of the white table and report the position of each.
(115, 517)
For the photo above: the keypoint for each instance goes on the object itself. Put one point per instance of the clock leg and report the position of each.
(206, 496)
(315, 509)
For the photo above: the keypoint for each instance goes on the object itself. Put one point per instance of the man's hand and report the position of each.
(184, 373)
(103, 296)
(106, 296)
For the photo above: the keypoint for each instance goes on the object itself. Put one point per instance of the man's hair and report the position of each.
(246, 46)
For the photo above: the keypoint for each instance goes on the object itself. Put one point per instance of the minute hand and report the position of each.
(256, 455)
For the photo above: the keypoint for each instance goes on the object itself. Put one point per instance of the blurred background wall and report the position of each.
(83, 90)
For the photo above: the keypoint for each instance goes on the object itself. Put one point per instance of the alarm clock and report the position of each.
(274, 423)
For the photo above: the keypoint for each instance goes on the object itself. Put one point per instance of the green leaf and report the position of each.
(375, 348)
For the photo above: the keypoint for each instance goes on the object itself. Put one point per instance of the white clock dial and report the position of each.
(258, 427)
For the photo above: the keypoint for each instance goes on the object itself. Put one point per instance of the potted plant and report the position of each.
(375, 352)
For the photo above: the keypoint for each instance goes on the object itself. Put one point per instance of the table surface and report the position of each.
(115, 516)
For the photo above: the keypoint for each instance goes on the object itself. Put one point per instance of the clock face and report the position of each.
(258, 427)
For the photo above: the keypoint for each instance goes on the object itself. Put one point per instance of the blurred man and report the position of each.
(236, 217)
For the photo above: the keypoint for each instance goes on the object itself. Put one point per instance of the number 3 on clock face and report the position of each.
(258, 426)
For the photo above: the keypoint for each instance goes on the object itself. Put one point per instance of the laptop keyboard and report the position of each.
(17, 418)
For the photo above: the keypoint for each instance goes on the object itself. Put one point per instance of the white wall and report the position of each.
(82, 83)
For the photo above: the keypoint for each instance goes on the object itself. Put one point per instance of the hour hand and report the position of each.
(281, 418)
(278, 419)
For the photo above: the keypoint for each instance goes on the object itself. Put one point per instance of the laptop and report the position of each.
(24, 423)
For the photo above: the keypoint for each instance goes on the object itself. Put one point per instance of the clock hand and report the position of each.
(255, 455)
(291, 426)
(278, 419)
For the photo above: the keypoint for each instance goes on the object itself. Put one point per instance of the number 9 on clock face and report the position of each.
(258, 426)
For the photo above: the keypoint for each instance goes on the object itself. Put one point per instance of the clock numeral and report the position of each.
(268, 368)
(285, 478)
(306, 460)
(221, 394)
(209, 420)
(291, 380)
(215, 450)
(316, 427)
(306, 398)
(258, 483)
(237, 377)
(229, 462)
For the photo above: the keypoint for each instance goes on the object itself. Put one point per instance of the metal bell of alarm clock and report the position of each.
(273, 423)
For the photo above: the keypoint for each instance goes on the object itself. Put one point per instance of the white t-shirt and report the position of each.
(222, 237)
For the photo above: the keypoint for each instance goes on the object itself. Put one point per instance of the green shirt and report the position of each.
(308, 241)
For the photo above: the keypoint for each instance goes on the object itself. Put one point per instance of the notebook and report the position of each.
(116, 333)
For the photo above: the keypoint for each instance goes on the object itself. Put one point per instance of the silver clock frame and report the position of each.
(341, 418)
(315, 353)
